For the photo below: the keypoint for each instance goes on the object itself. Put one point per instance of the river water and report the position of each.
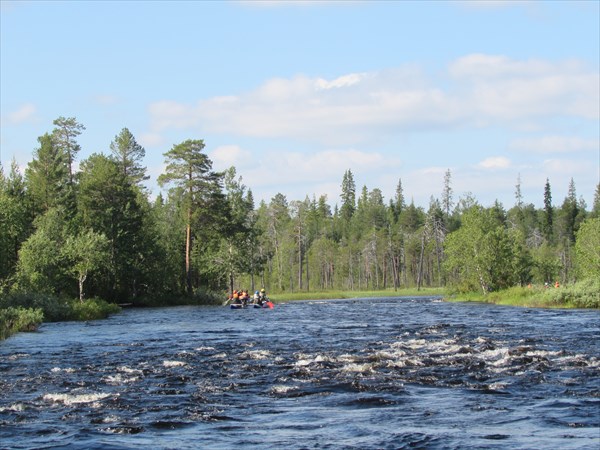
(386, 373)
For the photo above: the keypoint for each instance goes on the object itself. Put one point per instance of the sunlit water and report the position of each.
(364, 374)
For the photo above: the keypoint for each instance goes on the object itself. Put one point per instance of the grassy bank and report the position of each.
(25, 311)
(332, 295)
(584, 294)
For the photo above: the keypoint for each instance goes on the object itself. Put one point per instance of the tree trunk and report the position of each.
(81, 281)
(300, 263)
(188, 248)
(420, 270)
(307, 274)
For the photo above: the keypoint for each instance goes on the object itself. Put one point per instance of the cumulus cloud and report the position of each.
(151, 140)
(293, 167)
(226, 156)
(478, 90)
(494, 162)
(501, 88)
(555, 144)
(562, 166)
(25, 113)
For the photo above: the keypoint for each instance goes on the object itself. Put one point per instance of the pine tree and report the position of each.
(191, 171)
(67, 129)
(129, 154)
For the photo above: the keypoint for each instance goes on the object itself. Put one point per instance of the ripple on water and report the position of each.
(395, 375)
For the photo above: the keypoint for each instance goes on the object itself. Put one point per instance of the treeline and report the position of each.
(94, 232)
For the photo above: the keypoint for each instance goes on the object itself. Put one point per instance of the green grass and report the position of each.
(583, 294)
(331, 295)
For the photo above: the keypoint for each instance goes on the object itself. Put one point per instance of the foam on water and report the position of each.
(421, 373)
(76, 399)
(173, 363)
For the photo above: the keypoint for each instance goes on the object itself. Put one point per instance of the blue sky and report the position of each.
(295, 93)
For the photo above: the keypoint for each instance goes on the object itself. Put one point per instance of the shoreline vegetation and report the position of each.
(25, 312)
(85, 230)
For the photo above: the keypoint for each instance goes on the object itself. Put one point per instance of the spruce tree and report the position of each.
(548, 222)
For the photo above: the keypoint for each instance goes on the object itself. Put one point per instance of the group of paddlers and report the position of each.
(242, 297)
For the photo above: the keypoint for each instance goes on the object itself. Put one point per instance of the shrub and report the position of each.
(583, 294)
(13, 320)
(54, 308)
(92, 309)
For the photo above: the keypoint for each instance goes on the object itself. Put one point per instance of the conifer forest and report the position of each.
(89, 228)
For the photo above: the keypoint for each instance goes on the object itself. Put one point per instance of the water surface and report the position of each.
(369, 373)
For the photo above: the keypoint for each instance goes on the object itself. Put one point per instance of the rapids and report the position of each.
(365, 374)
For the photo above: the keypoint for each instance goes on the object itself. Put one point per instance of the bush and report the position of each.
(583, 294)
(92, 309)
(13, 320)
(54, 308)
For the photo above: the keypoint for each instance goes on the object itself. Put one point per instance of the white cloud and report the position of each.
(151, 140)
(226, 156)
(343, 81)
(25, 113)
(494, 162)
(564, 166)
(481, 90)
(505, 89)
(433, 170)
(555, 144)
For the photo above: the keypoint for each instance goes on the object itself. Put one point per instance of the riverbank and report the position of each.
(583, 294)
(26, 311)
(335, 295)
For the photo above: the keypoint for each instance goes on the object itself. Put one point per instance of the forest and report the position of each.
(87, 230)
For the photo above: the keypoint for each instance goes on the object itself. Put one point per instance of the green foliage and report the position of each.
(13, 320)
(50, 308)
(86, 252)
(110, 205)
(47, 175)
(479, 255)
(129, 154)
(200, 297)
(54, 309)
(67, 129)
(14, 222)
(41, 262)
(92, 309)
(61, 229)
(585, 294)
(587, 249)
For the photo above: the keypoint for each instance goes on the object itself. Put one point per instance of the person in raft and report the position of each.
(262, 297)
(244, 297)
(236, 298)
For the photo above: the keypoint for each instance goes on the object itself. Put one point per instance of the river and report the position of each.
(385, 373)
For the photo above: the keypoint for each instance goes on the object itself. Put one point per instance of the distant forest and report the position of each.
(95, 232)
